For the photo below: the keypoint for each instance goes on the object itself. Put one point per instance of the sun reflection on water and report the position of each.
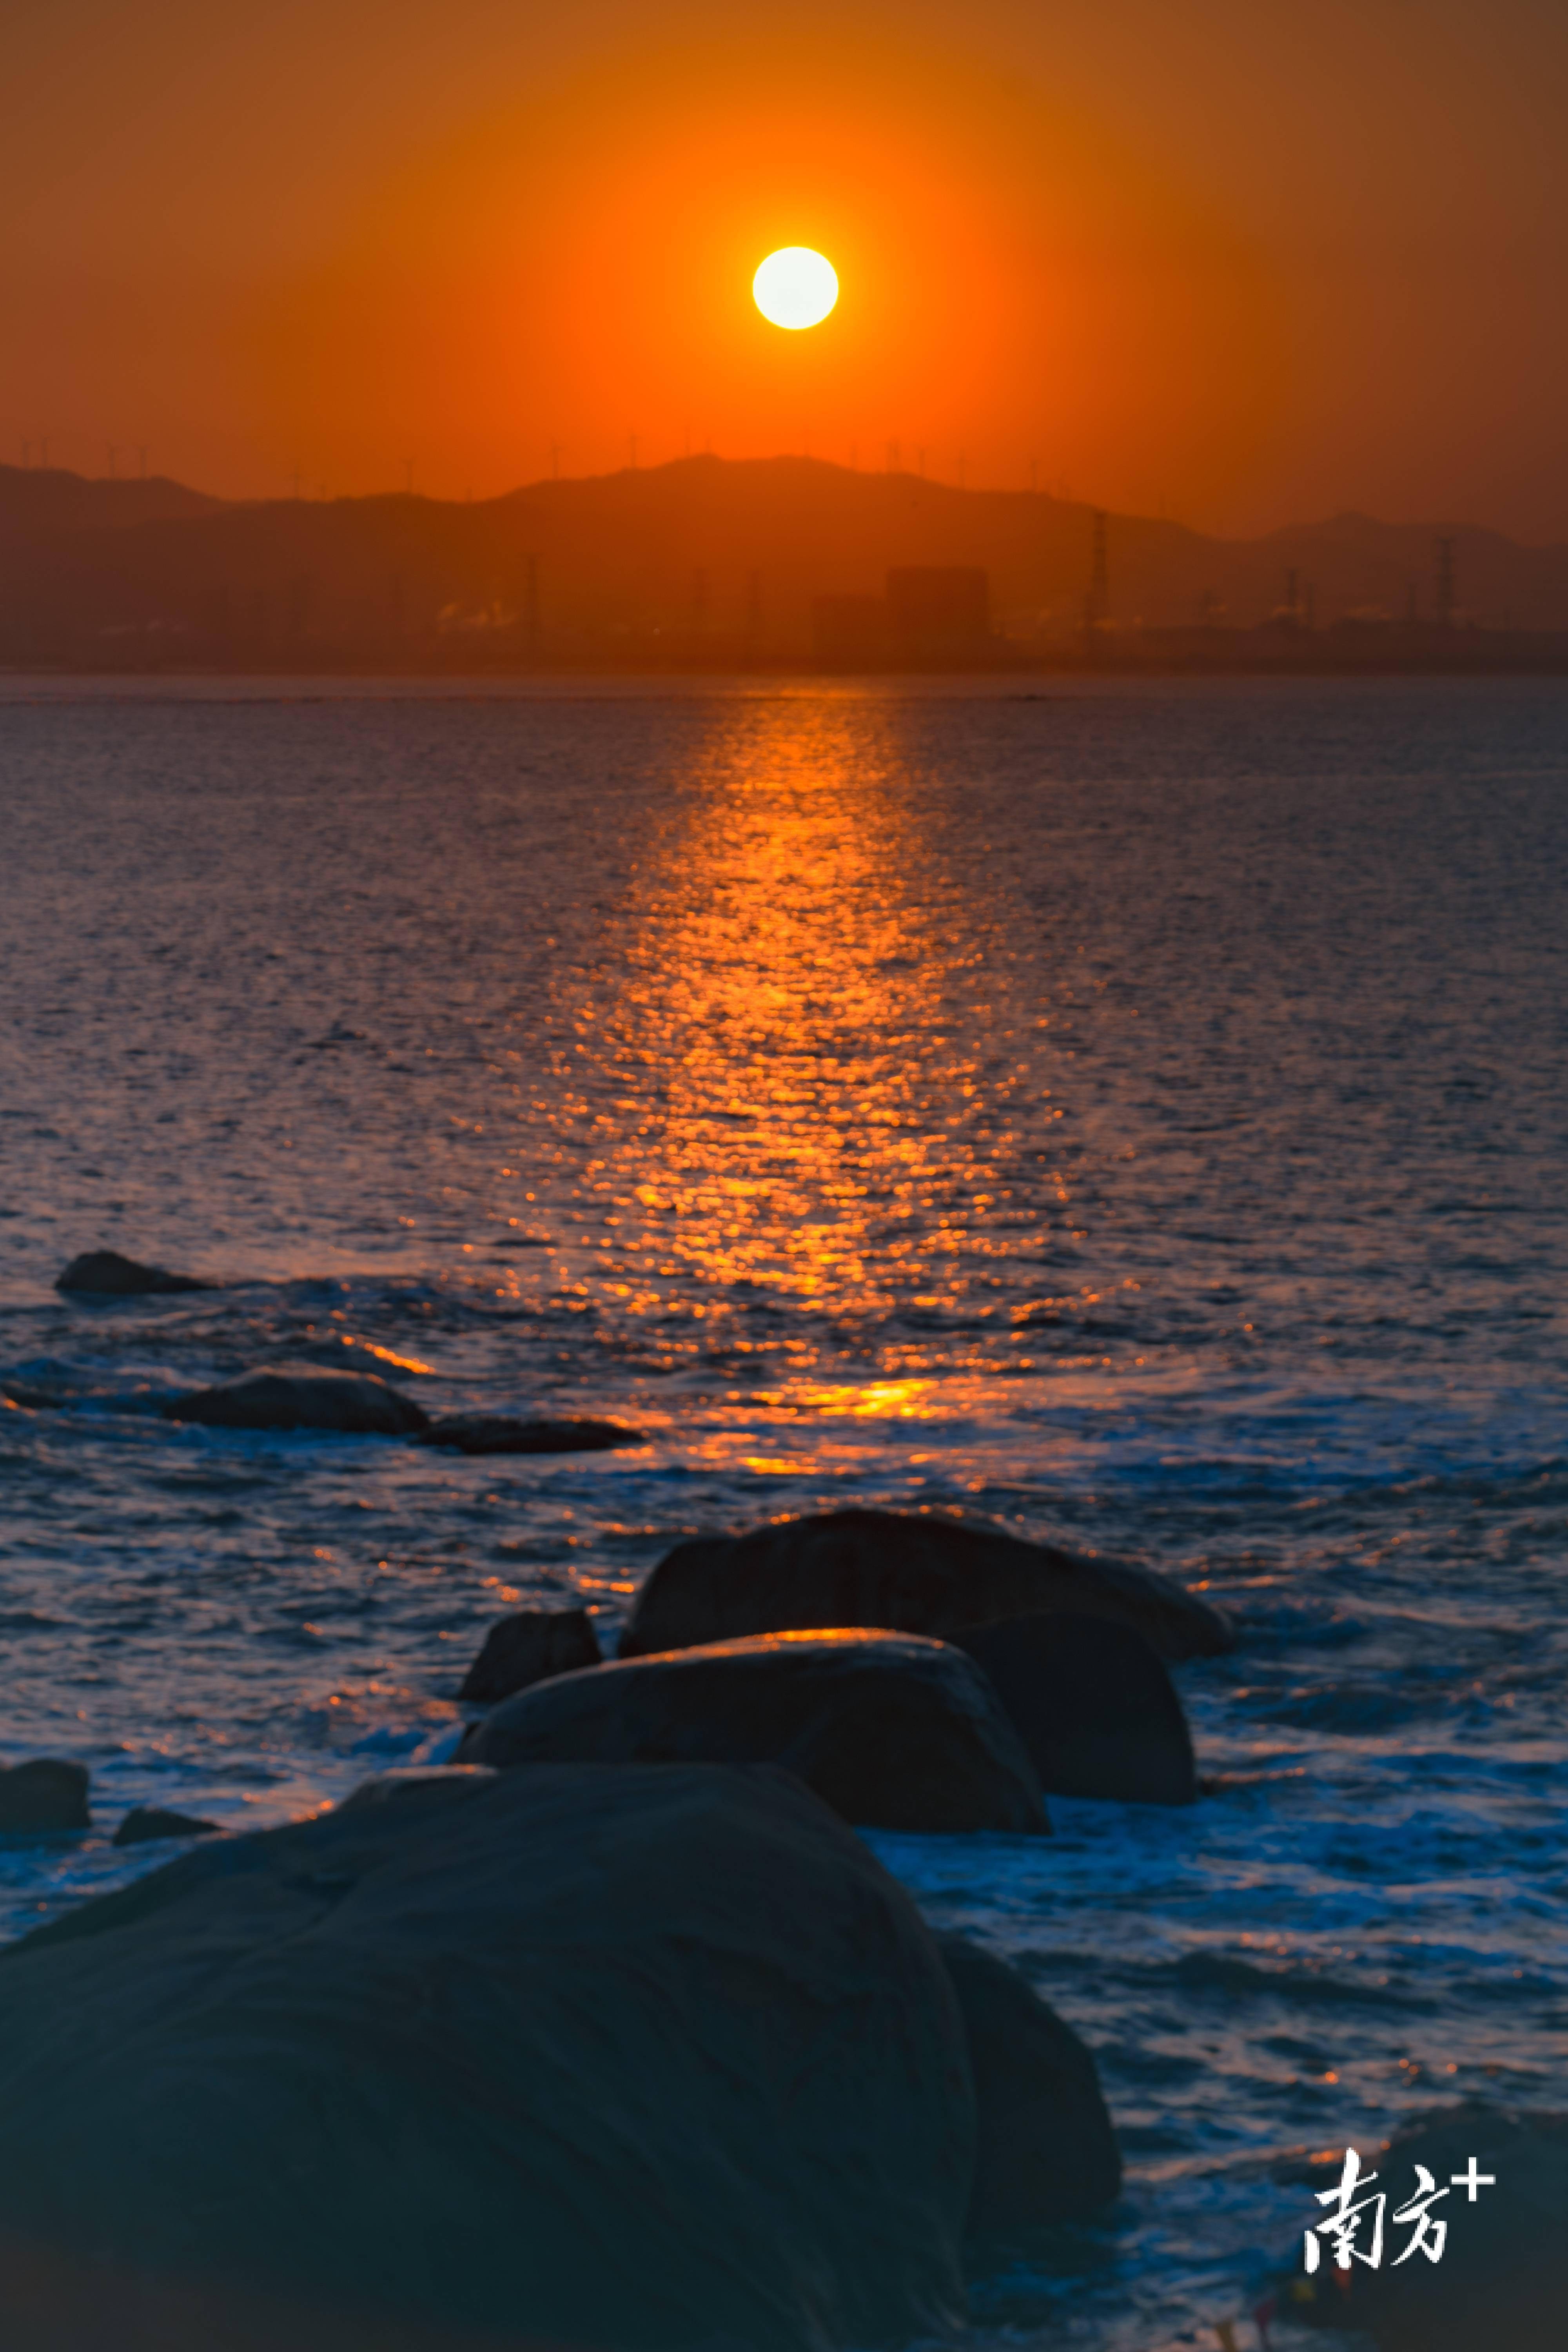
(795, 1141)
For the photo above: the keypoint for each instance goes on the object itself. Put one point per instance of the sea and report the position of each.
(1131, 1110)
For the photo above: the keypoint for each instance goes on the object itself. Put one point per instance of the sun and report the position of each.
(796, 288)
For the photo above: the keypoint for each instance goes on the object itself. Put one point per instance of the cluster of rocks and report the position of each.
(47, 1797)
(289, 1396)
(306, 1396)
(920, 1673)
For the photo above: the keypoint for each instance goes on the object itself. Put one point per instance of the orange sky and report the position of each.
(1234, 264)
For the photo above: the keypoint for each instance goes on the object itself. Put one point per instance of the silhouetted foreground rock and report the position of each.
(45, 1794)
(1092, 1704)
(143, 1824)
(890, 1730)
(633, 2059)
(426, 1787)
(528, 1647)
(104, 1274)
(55, 2303)
(1504, 2277)
(921, 1574)
(1047, 2151)
(302, 1396)
(481, 1432)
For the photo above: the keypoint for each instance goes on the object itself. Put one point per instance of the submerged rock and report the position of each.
(302, 1396)
(921, 1573)
(631, 2059)
(482, 1432)
(1503, 2276)
(104, 1274)
(1094, 1704)
(528, 1647)
(1046, 2148)
(890, 1730)
(46, 1793)
(145, 1822)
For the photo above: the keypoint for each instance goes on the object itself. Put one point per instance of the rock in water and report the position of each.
(528, 1647)
(1092, 1704)
(921, 1574)
(1502, 2278)
(890, 1730)
(104, 1274)
(1047, 2151)
(481, 1432)
(143, 1824)
(302, 1396)
(45, 1794)
(641, 2059)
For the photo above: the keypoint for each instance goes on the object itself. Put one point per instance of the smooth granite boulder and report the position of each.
(640, 2061)
(145, 1823)
(55, 2303)
(46, 1793)
(528, 1647)
(921, 1573)
(419, 1787)
(1047, 2151)
(1502, 2278)
(1093, 1704)
(304, 1396)
(890, 1730)
(104, 1274)
(483, 1432)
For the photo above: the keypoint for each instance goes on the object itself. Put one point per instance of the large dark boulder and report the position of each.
(528, 1647)
(426, 1787)
(55, 2303)
(145, 1824)
(921, 1573)
(1047, 2151)
(484, 1432)
(47, 1793)
(890, 1730)
(1502, 2278)
(1093, 1704)
(304, 1396)
(641, 2061)
(104, 1274)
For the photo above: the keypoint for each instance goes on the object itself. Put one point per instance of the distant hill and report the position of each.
(704, 560)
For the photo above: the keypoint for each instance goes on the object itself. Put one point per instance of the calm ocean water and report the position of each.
(1136, 1113)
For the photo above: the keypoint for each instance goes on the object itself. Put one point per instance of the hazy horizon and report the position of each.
(545, 482)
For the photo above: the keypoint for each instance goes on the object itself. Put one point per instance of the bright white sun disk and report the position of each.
(795, 286)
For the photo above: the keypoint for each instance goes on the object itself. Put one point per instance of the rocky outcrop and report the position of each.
(424, 1788)
(481, 1433)
(1094, 1704)
(1047, 2151)
(304, 1396)
(529, 1647)
(47, 1793)
(104, 1274)
(890, 1730)
(1503, 2276)
(145, 1823)
(642, 2060)
(921, 1573)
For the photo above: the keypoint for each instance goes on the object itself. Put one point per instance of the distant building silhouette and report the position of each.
(849, 631)
(929, 614)
(934, 610)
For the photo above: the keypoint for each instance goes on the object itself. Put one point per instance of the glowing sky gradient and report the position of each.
(1233, 264)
